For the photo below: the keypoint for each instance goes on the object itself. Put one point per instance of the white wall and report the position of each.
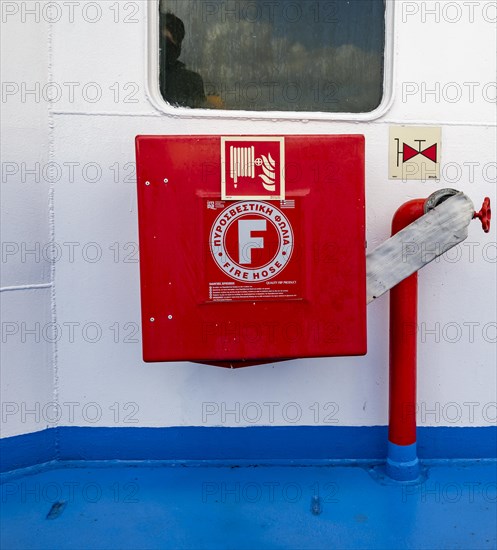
(26, 376)
(97, 298)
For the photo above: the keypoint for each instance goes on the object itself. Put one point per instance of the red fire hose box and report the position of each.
(251, 247)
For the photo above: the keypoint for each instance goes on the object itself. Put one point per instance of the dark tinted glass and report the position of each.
(273, 55)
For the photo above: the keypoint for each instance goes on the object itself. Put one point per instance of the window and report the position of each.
(273, 55)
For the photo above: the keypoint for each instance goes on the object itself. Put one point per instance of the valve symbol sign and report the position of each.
(252, 168)
(415, 153)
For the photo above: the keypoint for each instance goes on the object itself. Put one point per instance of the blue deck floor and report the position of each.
(159, 505)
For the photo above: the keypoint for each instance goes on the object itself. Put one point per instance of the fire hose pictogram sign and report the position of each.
(252, 167)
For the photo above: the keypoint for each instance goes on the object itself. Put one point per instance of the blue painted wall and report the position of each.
(254, 443)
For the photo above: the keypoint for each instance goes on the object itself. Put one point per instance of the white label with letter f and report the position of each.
(245, 240)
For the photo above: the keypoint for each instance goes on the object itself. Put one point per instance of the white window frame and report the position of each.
(164, 107)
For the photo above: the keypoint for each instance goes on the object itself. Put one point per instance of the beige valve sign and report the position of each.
(415, 153)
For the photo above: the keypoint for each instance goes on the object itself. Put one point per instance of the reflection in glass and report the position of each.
(273, 55)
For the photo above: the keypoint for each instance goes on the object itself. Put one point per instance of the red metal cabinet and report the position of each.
(252, 248)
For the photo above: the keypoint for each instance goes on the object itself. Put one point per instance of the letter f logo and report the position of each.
(245, 240)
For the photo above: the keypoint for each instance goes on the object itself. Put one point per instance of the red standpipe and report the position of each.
(403, 341)
(402, 460)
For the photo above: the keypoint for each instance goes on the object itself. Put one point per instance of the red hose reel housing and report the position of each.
(252, 248)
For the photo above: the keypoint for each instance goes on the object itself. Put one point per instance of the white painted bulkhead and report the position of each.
(92, 368)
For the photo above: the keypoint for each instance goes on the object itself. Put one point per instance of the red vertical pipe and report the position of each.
(403, 341)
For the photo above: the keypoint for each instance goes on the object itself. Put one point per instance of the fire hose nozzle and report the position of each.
(484, 215)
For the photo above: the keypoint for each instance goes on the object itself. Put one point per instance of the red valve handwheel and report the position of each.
(485, 215)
